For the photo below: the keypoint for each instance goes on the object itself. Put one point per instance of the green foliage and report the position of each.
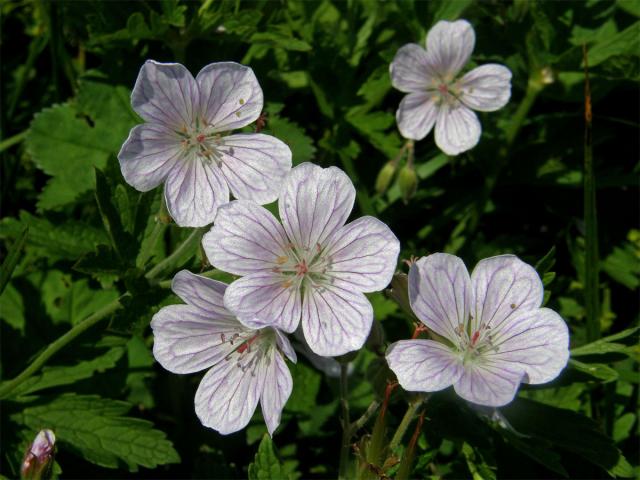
(266, 465)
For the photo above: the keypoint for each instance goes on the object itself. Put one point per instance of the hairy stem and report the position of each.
(404, 424)
(192, 240)
(11, 141)
(7, 387)
(346, 425)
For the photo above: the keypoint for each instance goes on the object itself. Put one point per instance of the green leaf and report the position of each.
(97, 429)
(66, 240)
(12, 308)
(306, 385)
(546, 262)
(67, 141)
(451, 9)
(629, 6)
(623, 266)
(598, 370)
(606, 344)
(626, 42)
(301, 145)
(11, 259)
(56, 376)
(280, 37)
(266, 465)
(477, 466)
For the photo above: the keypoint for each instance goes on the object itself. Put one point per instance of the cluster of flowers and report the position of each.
(311, 267)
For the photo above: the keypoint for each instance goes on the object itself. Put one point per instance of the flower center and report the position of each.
(262, 340)
(445, 91)
(199, 139)
(473, 343)
(302, 267)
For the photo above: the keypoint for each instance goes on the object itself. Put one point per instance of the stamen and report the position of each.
(281, 260)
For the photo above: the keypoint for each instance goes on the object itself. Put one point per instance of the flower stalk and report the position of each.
(405, 422)
(346, 424)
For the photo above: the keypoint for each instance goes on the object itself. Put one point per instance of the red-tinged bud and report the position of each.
(38, 459)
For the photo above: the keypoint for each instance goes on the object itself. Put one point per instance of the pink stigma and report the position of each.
(200, 138)
(475, 337)
(442, 88)
(301, 268)
(245, 346)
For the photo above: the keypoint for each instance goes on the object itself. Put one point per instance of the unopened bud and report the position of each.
(38, 459)
(384, 177)
(408, 182)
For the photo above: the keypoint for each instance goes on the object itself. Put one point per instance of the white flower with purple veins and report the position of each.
(311, 269)
(493, 334)
(436, 94)
(183, 142)
(245, 364)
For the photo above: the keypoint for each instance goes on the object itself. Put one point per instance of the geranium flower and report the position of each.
(311, 269)
(437, 96)
(245, 364)
(183, 142)
(491, 332)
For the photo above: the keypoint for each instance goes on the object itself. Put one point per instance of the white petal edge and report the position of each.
(488, 383)
(285, 346)
(335, 321)
(416, 115)
(246, 238)
(457, 129)
(424, 365)
(440, 293)
(537, 341)
(201, 292)
(277, 389)
(255, 166)
(227, 397)
(314, 203)
(166, 93)
(503, 286)
(230, 95)
(449, 47)
(363, 254)
(410, 70)
(193, 191)
(148, 155)
(265, 299)
(486, 88)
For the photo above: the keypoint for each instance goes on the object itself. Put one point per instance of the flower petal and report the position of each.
(166, 93)
(363, 254)
(537, 341)
(187, 339)
(449, 46)
(334, 320)
(489, 383)
(440, 293)
(285, 346)
(148, 155)
(486, 88)
(424, 365)
(255, 166)
(245, 238)
(265, 299)
(204, 293)
(457, 129)
(228, 396)
(410, 70)
(315, 202)
(278, 385)
(416, 115)
(230, 95)
(503, 286)
(193, 191)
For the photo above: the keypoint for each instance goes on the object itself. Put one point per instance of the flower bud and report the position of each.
(38, 459)
(408, 182)
(384, 177)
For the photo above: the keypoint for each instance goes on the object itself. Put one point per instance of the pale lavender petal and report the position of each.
(424, 365)
(229, 393)
(440, 293)
(486, 88)
(416, 115)
(535, 340)
(245, 238)
(278, 385)
(201, 292)
(457, 129)
(410, 70)
(285, 346)
(255, 166)
(503, 286)
(193, 191)
(489, 383)
(187, 339)
(449, 46)
(265, 299)
(363, 254)
(166, 93)
(314, 203)
(148, 155)
(334, 320)
(230, 95)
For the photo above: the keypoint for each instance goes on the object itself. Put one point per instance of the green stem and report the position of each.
(346, 425)
(534, 87)
(168, 263)
(11, 141)
(7, 387)
(156, 234)
(404, 424)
